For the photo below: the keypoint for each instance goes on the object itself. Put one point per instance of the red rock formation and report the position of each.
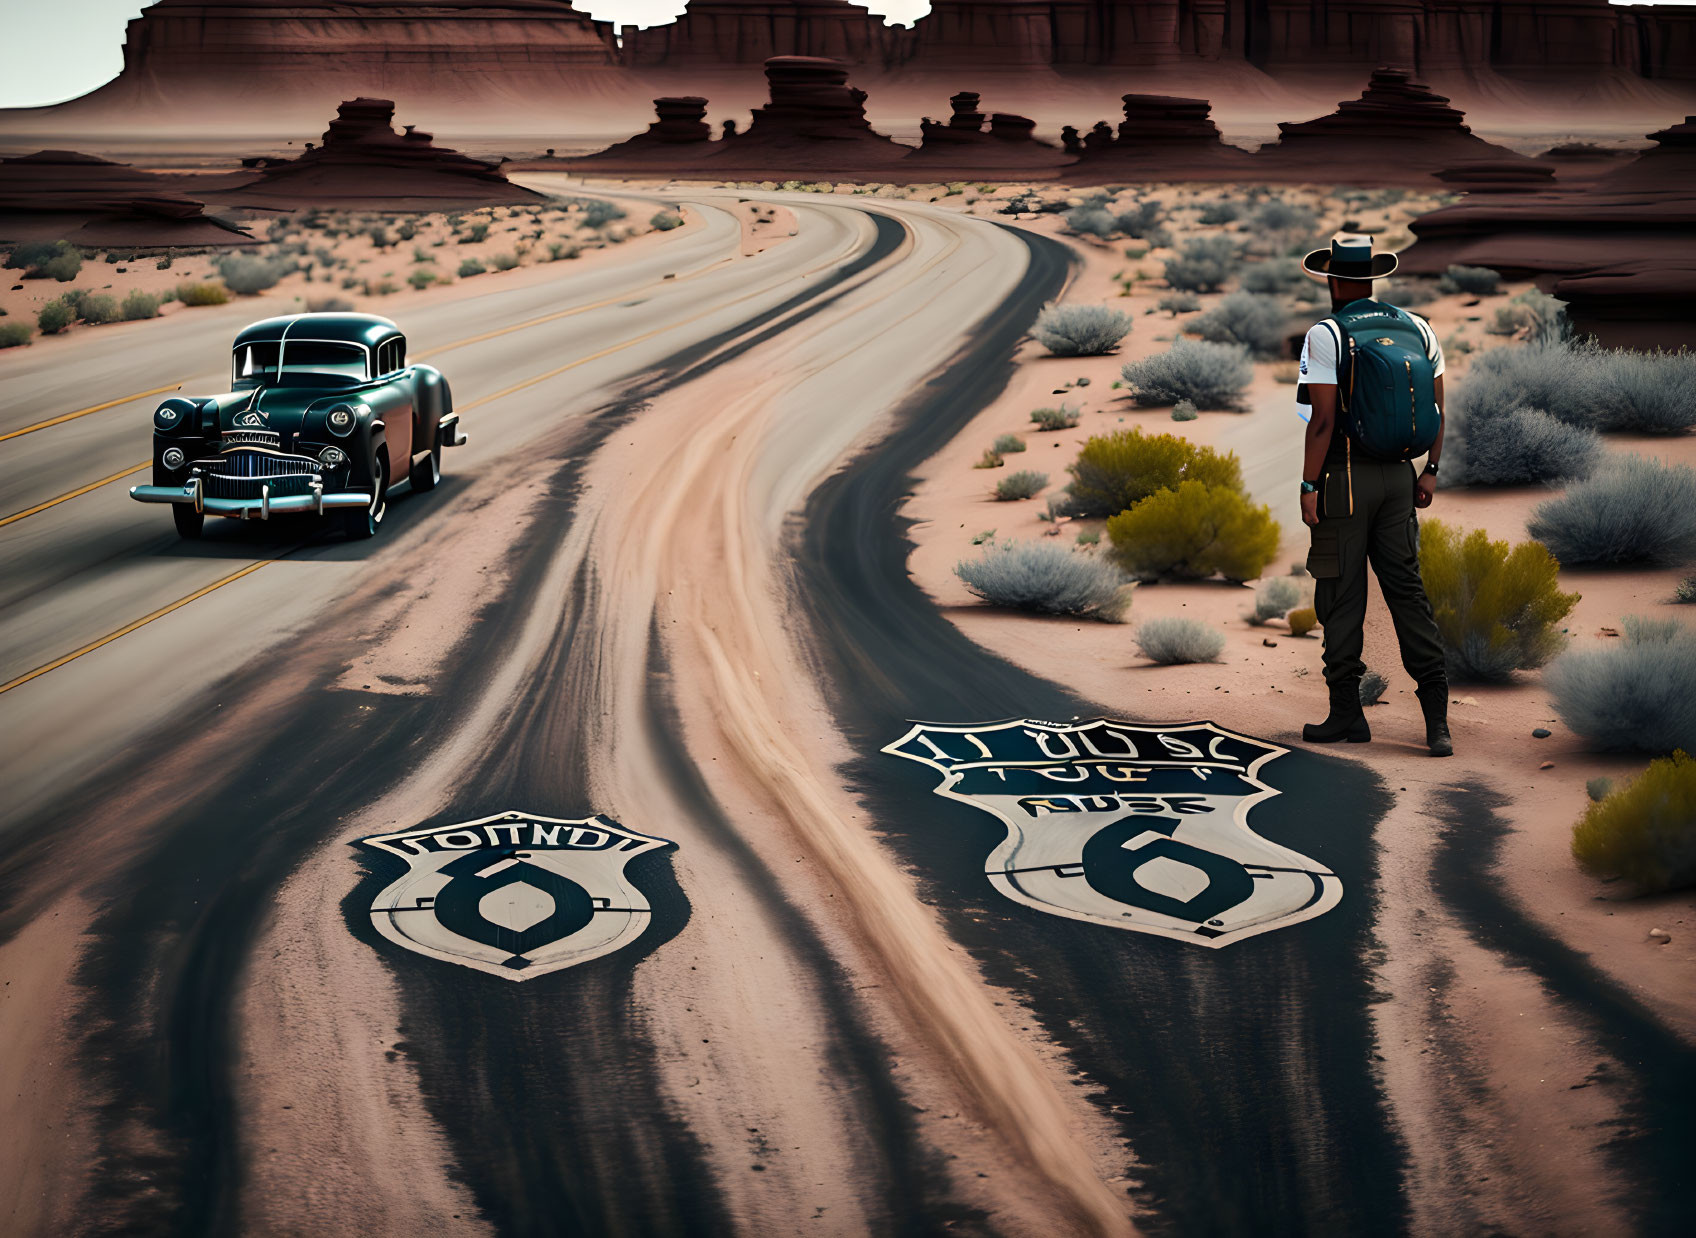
(681, 135)
(713, 33)
(363, 161)
(1397, 129)
(62, 194)
(963, 144)
(1633, 229)
(814, 117)
(1161, 136)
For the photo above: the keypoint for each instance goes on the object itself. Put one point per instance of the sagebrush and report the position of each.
(1515, 447)
(1025, 484)
(1208, 375)
(1204, 264)
(1634, 509)
(1081, 330)
(1257, 321)
(1636, 693)
(1474, 281)
(1173, 640)
(1498, 608)
(1644, 831)
(1048, 579)
(1275, 598)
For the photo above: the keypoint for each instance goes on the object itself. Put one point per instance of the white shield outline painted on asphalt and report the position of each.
(1179, 793)
(536, 873)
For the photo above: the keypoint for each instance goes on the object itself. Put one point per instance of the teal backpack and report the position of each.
(1386, 385)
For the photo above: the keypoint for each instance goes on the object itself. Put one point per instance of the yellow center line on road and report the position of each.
(144, 620)
(83, 412)
(71, 494)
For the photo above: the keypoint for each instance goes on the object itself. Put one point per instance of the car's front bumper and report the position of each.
(261, 508)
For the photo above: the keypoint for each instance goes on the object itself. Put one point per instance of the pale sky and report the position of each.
(59, 50)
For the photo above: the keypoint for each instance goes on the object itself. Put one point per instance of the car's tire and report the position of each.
(189, 522)
(362, 522)
(427, 469)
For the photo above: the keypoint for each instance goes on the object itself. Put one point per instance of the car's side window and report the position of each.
(383, 355)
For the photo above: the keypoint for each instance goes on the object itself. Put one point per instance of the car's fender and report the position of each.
(432, 399)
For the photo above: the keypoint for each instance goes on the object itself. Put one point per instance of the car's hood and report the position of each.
(282, 409)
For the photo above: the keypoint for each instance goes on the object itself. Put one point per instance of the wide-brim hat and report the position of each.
(1349, 257)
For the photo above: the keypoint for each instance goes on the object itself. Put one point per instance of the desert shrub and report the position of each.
(54, 317)
(407, 230)
(1302, 620)
(1278, 275)
(991, 459)
(1650, 392)
(1142, 220)
(1685, 591)
(27, 254)
(1173, 640)
(1636, 694)
(63, 267)
(1183, 410)
(1080, 330)
(1632, 510)
(1249, 318)
(558, 251)
(598, 212)
(1024, 484)
(1062, 418)
(1208, 375)
(1283, 219)
(379, 236)
(329, 305)
(665, 221)
(164, 264)
(1194, 531)
(504, 262)
(1561, 381)
(98, 309)
(1275, 598)
(1203, 265)
(1515, 447)
(380, 288)
(1497, 609)
(471, 267)
(477, 233)
(1598, 788)
(1474, 281)
(1644, 832)
(1091, 221)
(1007, 444)
(247, 275)
(1372, 686)
(1406, 293)
(12, 334)
(419, 278)
(1220, 211)
(1179, 303)
(1115, 471)
(138, 305)
(1047, 579)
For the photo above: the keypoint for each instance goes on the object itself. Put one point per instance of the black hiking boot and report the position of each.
(1434, 701)
(1346, 721)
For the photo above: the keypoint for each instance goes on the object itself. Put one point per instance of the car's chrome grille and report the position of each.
(238, 473)
(252, 438)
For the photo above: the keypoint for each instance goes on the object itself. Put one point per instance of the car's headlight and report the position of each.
(167, 417)
(173, 457)
(332, 457)
(341, 421)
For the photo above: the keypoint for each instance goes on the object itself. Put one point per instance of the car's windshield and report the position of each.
(305, 363)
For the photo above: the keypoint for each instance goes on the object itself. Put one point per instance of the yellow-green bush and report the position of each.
(1114, 471)
(1645, 831)
(1194, 531)
(202, 294)
(1302, 621)
(1497, 607)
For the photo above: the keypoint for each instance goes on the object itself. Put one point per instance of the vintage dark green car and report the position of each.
(324, 415)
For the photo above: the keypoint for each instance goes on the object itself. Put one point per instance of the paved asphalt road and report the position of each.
(586, 616)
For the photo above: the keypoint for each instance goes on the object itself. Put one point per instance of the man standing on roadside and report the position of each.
(1373, 376)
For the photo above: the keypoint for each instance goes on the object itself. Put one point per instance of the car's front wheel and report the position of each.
(189, 522)
(427, 469)
(362, 522)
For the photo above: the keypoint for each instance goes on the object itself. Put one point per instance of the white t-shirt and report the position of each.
(1319, 356)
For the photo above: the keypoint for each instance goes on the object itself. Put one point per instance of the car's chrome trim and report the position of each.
(455, 437)
(249, 509)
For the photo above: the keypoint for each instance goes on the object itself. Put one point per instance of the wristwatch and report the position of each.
(1431, 467)
(1308, 487)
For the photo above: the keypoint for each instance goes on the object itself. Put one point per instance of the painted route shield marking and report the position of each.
(1137, 826)
(516, 895)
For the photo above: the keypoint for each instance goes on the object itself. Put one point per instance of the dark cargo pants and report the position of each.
(1381, 529)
